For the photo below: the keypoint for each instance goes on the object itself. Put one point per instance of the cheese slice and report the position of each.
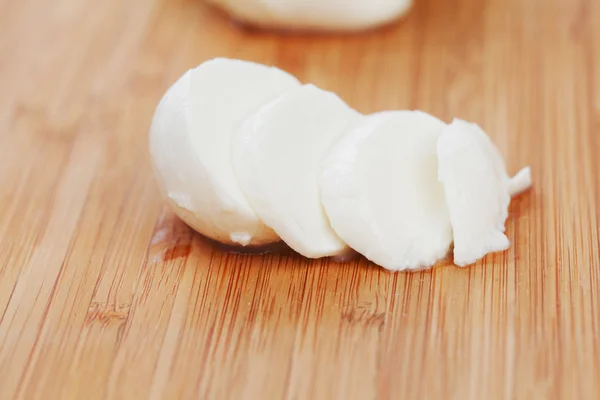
(380, 190)
(477, 191)
(277, 156)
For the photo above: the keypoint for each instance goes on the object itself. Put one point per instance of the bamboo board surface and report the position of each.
(104, 294)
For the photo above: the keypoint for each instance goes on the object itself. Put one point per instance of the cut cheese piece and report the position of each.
(477, 191)
(380, 190)
(277, 157)
(190, 145)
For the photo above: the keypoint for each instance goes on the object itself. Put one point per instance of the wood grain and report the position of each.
(104, 294)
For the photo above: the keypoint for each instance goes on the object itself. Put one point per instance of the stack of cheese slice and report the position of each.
(247, 155)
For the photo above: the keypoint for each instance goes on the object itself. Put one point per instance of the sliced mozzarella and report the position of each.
(315, 14)
(380, 190)
(520, 182)
(277, 157)
(190, 143)
(477, 191)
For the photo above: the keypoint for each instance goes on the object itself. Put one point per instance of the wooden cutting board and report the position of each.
(104, 294)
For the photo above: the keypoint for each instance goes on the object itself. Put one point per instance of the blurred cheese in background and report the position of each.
(315, 15)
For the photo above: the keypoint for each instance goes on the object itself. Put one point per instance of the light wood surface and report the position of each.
(104, 294)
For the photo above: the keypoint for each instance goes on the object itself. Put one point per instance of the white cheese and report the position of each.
(315, 14)
(277, 156)
(247, 155)
(477, 191)
(190, 145)
(380, 190)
